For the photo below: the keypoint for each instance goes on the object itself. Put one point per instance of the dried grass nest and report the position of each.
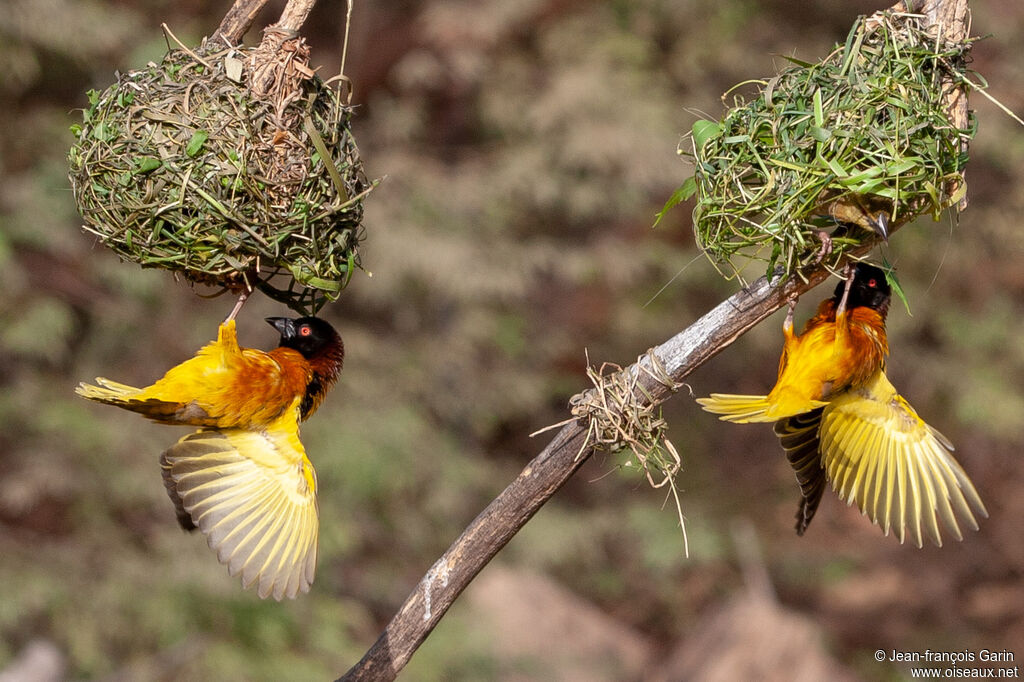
(228, 166)
(863, 131)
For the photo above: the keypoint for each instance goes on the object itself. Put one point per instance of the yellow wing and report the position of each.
(253, 494)
(876, 450)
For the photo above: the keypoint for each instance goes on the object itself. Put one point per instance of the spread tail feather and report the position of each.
(749, 409)
(138, 400)
(739, 409)
(107, 391)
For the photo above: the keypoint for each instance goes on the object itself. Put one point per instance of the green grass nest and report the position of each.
(865, 127)
(230, 167)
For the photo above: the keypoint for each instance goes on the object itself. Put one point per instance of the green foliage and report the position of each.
(894, 284)
(864, 131)
(180, 167)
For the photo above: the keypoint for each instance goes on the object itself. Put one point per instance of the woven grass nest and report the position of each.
(862, 132)
(228, 166)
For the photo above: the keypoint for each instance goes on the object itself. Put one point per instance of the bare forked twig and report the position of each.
(239, 19)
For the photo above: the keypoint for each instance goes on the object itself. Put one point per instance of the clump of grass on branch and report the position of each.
(228, 166)
(863, 131)
(621, 416)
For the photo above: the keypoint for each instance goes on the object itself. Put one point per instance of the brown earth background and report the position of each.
(526, 147)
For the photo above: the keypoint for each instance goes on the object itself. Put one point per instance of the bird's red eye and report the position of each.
(872, 283)
(305, 330)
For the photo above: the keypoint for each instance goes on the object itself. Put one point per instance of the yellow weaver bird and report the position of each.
(244, 479)
(839, 419)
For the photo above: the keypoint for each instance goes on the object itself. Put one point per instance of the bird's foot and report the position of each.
(825, 250)
(787, 325)
(848, 273)
(242, 298)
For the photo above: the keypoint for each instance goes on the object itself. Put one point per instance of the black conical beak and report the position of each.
(880, 225)
(284, 325)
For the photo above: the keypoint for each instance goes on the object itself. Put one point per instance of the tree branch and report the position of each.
(295, 14)
(547, 472)
(238, 20)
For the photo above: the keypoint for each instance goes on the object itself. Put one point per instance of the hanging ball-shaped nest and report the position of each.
(865, 131)
(230, 166)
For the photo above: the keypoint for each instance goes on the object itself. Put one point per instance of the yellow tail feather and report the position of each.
(136, 400)
(740, 409)
(750, 409)
(109, 392)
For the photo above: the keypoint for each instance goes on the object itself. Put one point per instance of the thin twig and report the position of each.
(294, 15)
(182, 46)
(344, 43)
(238, 20)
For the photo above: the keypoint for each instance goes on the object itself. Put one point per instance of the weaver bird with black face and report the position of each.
(244, 479)
(840, 419)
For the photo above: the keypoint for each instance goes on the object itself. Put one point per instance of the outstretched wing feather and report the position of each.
(253, 494)
(878, 452)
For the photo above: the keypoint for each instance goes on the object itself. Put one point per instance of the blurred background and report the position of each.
(526, 147)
